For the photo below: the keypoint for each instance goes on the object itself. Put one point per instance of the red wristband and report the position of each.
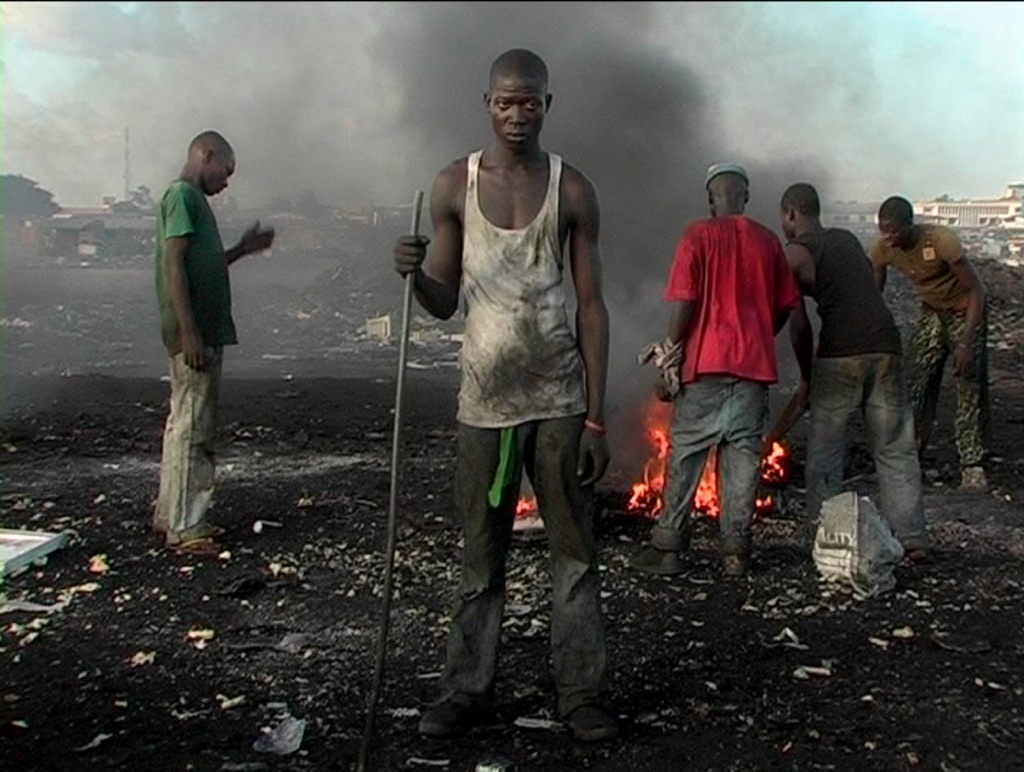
(594, 426)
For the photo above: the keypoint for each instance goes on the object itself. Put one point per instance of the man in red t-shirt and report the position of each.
(732, 290)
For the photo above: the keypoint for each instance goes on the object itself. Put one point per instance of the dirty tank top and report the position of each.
(520, 360)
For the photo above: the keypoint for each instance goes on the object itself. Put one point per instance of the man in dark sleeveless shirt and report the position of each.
(858, 368)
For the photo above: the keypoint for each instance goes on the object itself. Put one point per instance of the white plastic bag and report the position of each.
(854, 545)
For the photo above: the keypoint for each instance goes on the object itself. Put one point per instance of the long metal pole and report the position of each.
(396, 446)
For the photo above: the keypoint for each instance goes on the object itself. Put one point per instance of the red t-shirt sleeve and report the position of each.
(684, 277)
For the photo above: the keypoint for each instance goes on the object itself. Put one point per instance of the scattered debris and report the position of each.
(143, 658)
(199, 638)
(528, 722)
(98, 564)
(19, 549)
(94, 743)
(226, 703)
(805, 672)
(960, 643)
(283, 739)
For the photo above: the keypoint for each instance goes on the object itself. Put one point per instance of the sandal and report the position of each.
(203, 545)
(205, 531)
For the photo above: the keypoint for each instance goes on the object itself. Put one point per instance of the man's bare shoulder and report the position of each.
(454, 174)
(450, 185)
(578, 194)
(577, 183)
(797, 252)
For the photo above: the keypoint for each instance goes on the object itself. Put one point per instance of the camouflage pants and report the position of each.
(935, 335)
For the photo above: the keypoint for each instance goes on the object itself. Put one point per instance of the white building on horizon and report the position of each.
(1003, 213)
(991, 213)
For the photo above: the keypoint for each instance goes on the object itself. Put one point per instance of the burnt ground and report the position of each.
(704, 672)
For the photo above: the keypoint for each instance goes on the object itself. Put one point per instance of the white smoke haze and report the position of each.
(362, 103)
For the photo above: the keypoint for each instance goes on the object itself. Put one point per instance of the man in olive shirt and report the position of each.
(194, 294)
(951, 322)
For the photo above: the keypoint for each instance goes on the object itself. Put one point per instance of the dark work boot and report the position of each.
(652, 560)
(450, 717)
(592, 723)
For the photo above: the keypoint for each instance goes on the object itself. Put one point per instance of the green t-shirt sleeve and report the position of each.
(177, 213)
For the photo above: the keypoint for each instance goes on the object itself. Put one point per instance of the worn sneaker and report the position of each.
(652, 560)
(449, 718)
(972, 480)
(734, 566)
(591, 723)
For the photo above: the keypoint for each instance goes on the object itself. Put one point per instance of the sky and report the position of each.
(364, 102)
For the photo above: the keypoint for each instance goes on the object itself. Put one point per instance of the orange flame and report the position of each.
(645, 496)
(526, 505)
(646, 493)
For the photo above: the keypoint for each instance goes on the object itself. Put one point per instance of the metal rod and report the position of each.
(396, 446)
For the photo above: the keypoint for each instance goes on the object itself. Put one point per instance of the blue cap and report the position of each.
(725, 168)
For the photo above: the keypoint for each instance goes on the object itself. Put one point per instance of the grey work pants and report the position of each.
(874, 386)
(548, 451)
(714, 411)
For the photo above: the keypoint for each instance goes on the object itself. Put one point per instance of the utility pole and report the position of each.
(127, 167)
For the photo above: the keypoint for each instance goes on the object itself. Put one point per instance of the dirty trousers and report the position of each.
(935, 335)
(548, 452)
(873, 386)
(187, 464)
(714, 411)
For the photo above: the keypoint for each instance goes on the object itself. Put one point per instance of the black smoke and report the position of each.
(639, 123)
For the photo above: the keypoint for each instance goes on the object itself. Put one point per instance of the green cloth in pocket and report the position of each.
(505, 472)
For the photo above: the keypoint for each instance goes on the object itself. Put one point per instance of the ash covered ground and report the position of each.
(148, 660)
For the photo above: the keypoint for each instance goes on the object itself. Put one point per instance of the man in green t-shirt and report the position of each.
(951, 323)
(194, 294)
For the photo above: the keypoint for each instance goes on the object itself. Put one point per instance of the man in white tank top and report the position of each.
(531, 394)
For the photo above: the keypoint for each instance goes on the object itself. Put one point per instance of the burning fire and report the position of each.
(526, 505)
(646, 493)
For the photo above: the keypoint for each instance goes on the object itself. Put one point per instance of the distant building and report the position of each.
(991, 213)
(97, 232)
(851, 215)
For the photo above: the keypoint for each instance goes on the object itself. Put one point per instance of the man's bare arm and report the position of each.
(253, 240)
(584, 221)
(880, 276)
(963, 352)
(801, 336)
(679, 322)
(437, 283)
(967, 276)
(802, 263)
(592, 312)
